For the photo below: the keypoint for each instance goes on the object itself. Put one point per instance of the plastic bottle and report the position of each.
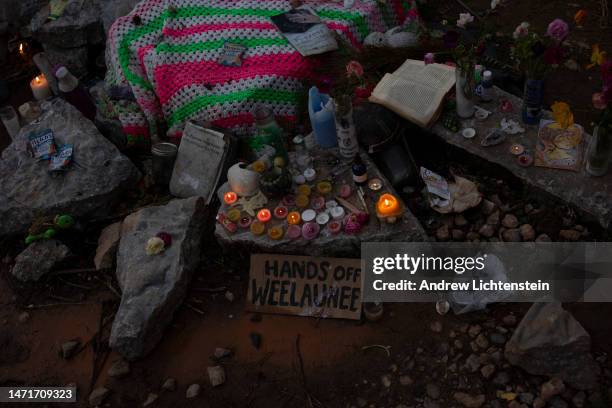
(322, 118)
(487, 93)
(269, 138)
(74, 93)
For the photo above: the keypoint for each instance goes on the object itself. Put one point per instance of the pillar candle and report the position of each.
(40, 87)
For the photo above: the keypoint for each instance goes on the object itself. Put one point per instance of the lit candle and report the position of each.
(276, 232)
(40, 87)
(280, 212)
(264, 215)
(257, 228)
(302, 201)
(334, 227)
(294, 218)
(517, 149)
(324, 187)
(234, 215)
(388, 208)
(245, 222)
(230, 198)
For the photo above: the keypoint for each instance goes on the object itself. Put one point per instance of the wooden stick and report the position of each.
(348, 205)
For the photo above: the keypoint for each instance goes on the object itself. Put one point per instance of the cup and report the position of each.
(10, 120)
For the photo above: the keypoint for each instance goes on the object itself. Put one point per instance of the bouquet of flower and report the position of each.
(535, 55)
(600, 151)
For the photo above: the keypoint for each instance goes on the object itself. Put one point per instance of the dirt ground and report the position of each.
(334, 371)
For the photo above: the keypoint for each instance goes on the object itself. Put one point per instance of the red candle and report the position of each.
(280, 212)
(264, 215)
(230, 198)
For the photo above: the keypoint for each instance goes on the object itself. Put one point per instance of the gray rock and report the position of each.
(23, 317)
(527, 232)
(549, 341)
(38, 259)
(154, 286)
(509, 320)
(75, 28)
(487, 371)
(386, 381)
(472, 363)
(406, 380)
(497, 338)
(98, 396)
(481, 341)
(111, 10)
(510, 221)
(474, 330)
(502, 378)
(216, 375)
(98, 178)
(543, 238)
(443, 233)
(558, 402)
(433, 390)
(460, 220)
(75, 59)
(151, 398)
(107, 246)
(579, 399)
(487, 207)
(493, 219)
(436, 326)
(169, 385)
(526, 397)
(487, 230)
(569, 235)
(512, 235)
(119, 368)
(469, 401)
(551, 388)
(193, 391)
(222, 352)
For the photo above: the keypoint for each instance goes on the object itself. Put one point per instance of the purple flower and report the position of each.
(558, 30)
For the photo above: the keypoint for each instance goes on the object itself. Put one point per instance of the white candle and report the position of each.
(40, 87)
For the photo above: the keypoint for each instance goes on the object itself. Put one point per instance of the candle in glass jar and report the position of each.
(234, 215)
(40, 87)
(257, 228)
(276, 233)
(388, 205)
(264, 215)
(230, 198)
(280, 212)
(294, 218)
(324, 187)
(302, 201)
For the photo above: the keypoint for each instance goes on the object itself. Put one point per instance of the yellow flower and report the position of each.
(259, 166)
(562, 114)
(598, 57)
(154, 246)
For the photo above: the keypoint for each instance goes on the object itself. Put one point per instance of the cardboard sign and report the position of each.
(305, 286)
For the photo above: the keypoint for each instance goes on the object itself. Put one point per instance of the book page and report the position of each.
(305, 31)
(410, 99)
(434, 75)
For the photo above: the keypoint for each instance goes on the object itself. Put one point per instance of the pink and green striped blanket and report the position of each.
(166, 51)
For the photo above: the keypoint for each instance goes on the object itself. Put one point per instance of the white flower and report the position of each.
(464, 19)
(494, 4)
(522, 30)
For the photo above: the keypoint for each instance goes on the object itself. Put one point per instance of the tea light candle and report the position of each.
(304, 190)
(294, 232)
(375, 184)
(230, 198)
(388, 208)
(280, 212)
(40, 87)
(310, 230)
(276, 232)
(337, 213)
(331, 204)
(257, 228)
(309, 215)
(245, 222)
(322, 218)
(345, 191)
(233, 214)
(288, 200)
(294, 218)
(310, 174)
(324, 187)
(302, 201)
(264, 215)
(334, 227)
(525, 159)
(318, 203)
(517, 149)
(299, 179)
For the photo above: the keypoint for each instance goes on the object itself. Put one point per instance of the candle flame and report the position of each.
(37, 79)
(21, 48)
(387, 203)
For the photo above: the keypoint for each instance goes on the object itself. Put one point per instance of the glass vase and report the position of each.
(464, 91)
(533, 99)
(599, 151)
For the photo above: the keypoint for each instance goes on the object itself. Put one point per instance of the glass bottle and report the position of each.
(360, 171)
(74, 93)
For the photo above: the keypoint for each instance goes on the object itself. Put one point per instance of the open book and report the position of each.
(199, 162)
(305, 31)
(415, 91)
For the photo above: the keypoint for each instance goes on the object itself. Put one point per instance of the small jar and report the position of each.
(164, 155)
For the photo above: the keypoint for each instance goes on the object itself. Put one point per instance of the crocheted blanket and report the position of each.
(166, 51)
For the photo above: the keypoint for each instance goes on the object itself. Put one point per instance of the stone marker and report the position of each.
(193, 391)
(549, 341)
(38, 259)
(97, 179)
(216, 375)
(154, 286)
(107, 246)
